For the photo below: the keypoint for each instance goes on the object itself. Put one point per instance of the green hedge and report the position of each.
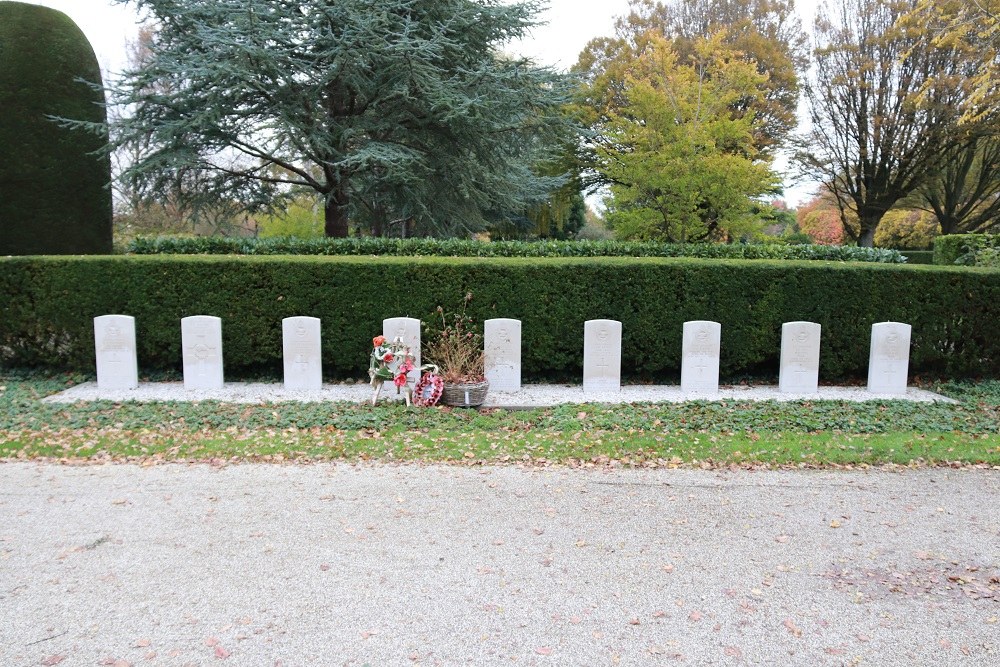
(422, 247)
(46, 316)
(918, 256)
(962, 248)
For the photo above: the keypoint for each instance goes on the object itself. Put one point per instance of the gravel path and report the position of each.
(336, 564)
(535, 395)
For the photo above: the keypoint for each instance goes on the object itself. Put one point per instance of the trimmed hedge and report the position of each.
(918, 256)
(424, 247)
(54, 194)
(46, 317)
(961, 248)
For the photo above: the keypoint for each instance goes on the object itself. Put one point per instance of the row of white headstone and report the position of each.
(201, 343)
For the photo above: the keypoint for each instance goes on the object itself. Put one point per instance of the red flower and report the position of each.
(400, 380)
(378, 341)
(388, 358)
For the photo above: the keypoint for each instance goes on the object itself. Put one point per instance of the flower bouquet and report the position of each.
(394, 361)
(390, 360)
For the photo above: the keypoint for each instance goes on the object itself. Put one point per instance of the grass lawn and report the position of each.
(723, 433)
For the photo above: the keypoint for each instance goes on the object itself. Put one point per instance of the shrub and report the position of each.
(962, 249)
(46, 318)
(53, 187)
(464, 248)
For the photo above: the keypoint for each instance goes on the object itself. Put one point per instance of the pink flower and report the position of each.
(406, 366)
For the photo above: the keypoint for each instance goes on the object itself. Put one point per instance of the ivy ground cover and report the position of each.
(722, 433)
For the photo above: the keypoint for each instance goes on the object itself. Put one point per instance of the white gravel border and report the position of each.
(533, 395)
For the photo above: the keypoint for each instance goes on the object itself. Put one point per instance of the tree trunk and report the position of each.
(335, 217)
(866, 236)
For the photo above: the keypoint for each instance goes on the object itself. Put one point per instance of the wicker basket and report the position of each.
(465, 394)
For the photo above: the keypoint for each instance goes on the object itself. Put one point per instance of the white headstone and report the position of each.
(700, 357)
(301, 350)
(799, 358)
(201, 340)
(502, 348)
(114, 343)
(602, 355)
(407, 329)
(889, 358)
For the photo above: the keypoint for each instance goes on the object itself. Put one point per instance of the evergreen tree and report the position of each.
(53, 184)
(391, 110)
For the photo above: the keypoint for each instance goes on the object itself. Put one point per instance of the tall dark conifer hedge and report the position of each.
(54, 197)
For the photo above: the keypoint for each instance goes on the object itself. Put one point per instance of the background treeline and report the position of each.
(675, 124)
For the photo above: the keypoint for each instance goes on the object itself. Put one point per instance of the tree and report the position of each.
(682, 166)
(964, 191)
(820, 219)
(879, 108)
(966, 25)
(766, 33)
(394, 109)
(53, 194)
(907, 229)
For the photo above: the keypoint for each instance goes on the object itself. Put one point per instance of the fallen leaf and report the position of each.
(581, 543)
(543, 650)
(324, 567)
(575, 620)
(119, 501)
(834, 524)
(833, 651)
(863, 638)
(695, 616)
(733, 652)
(211, 641)
(945, 644)
(923, 555)
(634, 621)
(53, 660)
(668, 568)
(142, 643)
(792, 628)
(221, 653)
(368, 633)
(659, 614)
(781, 539)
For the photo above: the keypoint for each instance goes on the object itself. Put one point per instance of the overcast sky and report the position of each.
(568, 26)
